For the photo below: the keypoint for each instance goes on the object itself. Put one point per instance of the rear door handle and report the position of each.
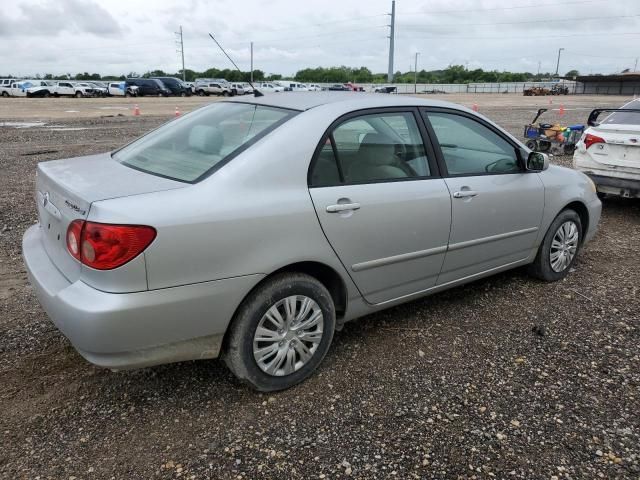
(465, 193)
(342, 207)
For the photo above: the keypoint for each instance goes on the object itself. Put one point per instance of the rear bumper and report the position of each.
(626, 187)
(130, 330)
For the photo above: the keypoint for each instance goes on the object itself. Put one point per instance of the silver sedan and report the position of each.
(252, 229)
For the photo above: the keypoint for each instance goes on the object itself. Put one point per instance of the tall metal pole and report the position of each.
(391, 39)
(635, 68)
(415, 75)
(558, 64)
(251, 62)
(184, 74)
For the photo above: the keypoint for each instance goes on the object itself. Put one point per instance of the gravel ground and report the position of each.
(504, 378)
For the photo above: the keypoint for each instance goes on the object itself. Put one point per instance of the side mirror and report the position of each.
(537, 162)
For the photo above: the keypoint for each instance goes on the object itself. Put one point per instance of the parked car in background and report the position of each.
(314, 87)
(296, 87)
(84, 89)
(353, 87)
(122, 89)
(149, 87)
(211, 88)
(268, 87)
(5, 85)
(64, 89)
(42, 88)
(339, 87)
(100, 89)
(19, 88)
(247, 88)
(385, 89)
(178, 246)
(192, 86)
(609, 151)
(237, 89)
(175, 85)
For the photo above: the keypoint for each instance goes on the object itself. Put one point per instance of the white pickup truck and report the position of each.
(18, 88)
(211, 88)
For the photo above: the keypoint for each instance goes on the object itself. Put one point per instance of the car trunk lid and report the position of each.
(622, 147)
(65, 190)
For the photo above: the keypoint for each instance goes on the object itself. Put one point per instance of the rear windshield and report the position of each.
(193, 146)
(624, 118)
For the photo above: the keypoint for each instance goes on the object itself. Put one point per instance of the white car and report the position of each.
(314, 87)
(237, 89)
(41, 88)
(268, 87)
(247, 88)
(609, 152)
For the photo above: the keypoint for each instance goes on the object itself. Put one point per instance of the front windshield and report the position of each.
(624, 118)
(190, 147)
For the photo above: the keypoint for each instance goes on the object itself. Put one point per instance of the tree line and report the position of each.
(343, 74)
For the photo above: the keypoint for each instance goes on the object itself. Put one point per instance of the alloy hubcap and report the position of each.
(564, 246)
(288, 335)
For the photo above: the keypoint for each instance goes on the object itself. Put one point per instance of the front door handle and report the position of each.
(465, 194)
(342, 207)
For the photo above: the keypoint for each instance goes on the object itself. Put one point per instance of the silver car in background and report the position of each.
(253, 228)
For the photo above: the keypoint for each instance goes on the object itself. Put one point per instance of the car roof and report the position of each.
(302, 101)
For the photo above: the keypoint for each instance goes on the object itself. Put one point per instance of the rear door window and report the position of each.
(193, 146)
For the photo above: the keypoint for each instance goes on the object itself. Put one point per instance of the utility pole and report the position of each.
(635, 68)
(558, 64)
(251, 62)
(415, 75)
(538, 68)
(181, 45)
(391, 39)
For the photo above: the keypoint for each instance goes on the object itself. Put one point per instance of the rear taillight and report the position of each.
(104, 246)
(592, 139)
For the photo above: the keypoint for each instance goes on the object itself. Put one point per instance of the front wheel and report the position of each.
(281, 332)
(559, 248)
(78, 94)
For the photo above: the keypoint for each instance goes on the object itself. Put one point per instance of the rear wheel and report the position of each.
(5, 94)
(281, 332)
(559, 248)
(225, 94)
(78, 94)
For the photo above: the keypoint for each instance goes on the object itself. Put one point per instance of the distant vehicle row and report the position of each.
(131, 87)
(160, 87)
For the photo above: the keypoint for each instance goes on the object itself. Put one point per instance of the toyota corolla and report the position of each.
(252, 229)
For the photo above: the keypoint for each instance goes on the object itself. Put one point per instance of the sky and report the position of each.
(121, 36)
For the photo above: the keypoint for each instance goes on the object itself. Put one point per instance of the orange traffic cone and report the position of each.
(474, 107)
(561, 111)
(136, 110)
(177, 112)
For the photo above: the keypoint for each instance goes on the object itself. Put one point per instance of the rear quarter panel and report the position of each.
(253, 216)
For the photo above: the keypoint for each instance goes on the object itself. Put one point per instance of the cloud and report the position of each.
(53, 18)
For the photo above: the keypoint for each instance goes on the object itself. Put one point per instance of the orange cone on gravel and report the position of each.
(177, 112)
(561, 111)
(136, 110)
(474, 107)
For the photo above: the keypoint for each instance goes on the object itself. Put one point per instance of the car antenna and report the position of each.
(256, 93)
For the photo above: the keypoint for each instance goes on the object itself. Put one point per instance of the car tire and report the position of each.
(561, 244)
(47, 94)
(283, 348)
(532, 145)
(78, 95)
